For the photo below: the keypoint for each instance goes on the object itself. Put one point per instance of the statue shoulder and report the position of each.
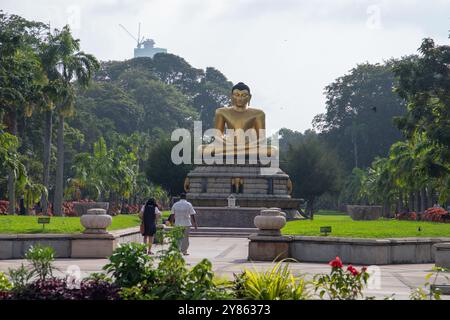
(222, 110)
(256, 111)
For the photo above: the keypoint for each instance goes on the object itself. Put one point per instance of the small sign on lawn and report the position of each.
(326, 230)
(43, 221)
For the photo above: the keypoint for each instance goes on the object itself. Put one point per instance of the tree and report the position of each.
(74, 65)
(20, 76)
(214, 92)
(162, 171)
(359, 117)
(424, 83)
(314, 169)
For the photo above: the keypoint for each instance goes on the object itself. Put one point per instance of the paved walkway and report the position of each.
(229, 255)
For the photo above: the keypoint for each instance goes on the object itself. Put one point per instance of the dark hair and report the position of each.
(183, 195)
(151, 202)
(241, 86)
(150, 207)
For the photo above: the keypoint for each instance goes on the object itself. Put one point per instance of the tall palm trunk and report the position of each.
(411, 202)
(423, 200)
(12, 129)
(430, 196)
(416, 201)
(59, 185)
(47, 155)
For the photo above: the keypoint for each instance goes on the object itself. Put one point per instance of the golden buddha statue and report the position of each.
(247, 126)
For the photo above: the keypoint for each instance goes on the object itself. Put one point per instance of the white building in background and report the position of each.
(147, 49)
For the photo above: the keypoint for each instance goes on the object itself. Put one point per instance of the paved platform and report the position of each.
(229, 255)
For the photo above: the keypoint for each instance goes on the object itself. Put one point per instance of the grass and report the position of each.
(344, 226)
(28, 224)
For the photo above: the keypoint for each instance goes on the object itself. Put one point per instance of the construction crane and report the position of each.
(139, 40)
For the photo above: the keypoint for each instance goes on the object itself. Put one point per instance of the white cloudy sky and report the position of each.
(287, 51)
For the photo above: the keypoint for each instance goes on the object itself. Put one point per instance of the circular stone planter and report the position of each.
(364, 212)
(96, 221)
(270, 222)
(81, 208)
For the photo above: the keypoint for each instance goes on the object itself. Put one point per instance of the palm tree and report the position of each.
(73, 66)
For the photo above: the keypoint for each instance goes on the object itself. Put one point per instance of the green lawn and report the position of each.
(344, 226)
(28, 224)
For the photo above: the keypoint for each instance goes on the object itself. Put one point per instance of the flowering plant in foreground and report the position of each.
(342, 283)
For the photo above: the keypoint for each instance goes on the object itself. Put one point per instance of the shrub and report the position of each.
(436, 215)
(412, 216)
(48, 289)
(41, 260)
(275, 284)
(97, 289)
(433, 294)
(20, 278)
(341, 284)
(130, 264)
(173, 280)
(5, 285)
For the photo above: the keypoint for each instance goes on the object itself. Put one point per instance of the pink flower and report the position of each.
(352, 269)
(336, 263)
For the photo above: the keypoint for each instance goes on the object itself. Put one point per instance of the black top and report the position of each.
(149, 220)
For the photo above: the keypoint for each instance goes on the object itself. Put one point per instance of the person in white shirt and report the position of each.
(149, 216)
(184, 214)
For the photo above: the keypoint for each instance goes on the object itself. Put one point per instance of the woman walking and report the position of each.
(149, 215)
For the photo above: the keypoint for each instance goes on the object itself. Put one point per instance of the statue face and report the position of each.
(240, 98)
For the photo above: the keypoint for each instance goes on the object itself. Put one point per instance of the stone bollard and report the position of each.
(96, 221)
(268, 244)
(270, 222)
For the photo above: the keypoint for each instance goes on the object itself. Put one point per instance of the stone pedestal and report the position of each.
(253, 187)
(268, 244)
(96, 221)
(364, 212)
(225, 217)
(268, 248)
(442, 254)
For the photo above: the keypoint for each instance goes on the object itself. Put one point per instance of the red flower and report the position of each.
(363, 269)
(352, 269)
(336, 263)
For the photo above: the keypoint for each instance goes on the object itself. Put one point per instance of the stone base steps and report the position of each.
(220, 231)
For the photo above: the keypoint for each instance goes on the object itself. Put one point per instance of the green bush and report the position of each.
(275, 284)
(172, 280)
(20, 277)
(341, 284)
(5, 285)
(41, 260)
(130, 264)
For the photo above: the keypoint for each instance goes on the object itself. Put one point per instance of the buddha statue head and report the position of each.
(240, 96)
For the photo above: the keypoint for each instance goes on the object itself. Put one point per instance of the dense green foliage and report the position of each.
(137, 276)
(53, 95)
(359, 117)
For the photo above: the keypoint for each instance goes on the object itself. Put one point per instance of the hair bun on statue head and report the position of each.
(241, 86)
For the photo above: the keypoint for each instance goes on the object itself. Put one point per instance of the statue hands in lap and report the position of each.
(240, 130)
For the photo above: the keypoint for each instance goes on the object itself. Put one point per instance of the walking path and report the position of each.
(229, 255)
